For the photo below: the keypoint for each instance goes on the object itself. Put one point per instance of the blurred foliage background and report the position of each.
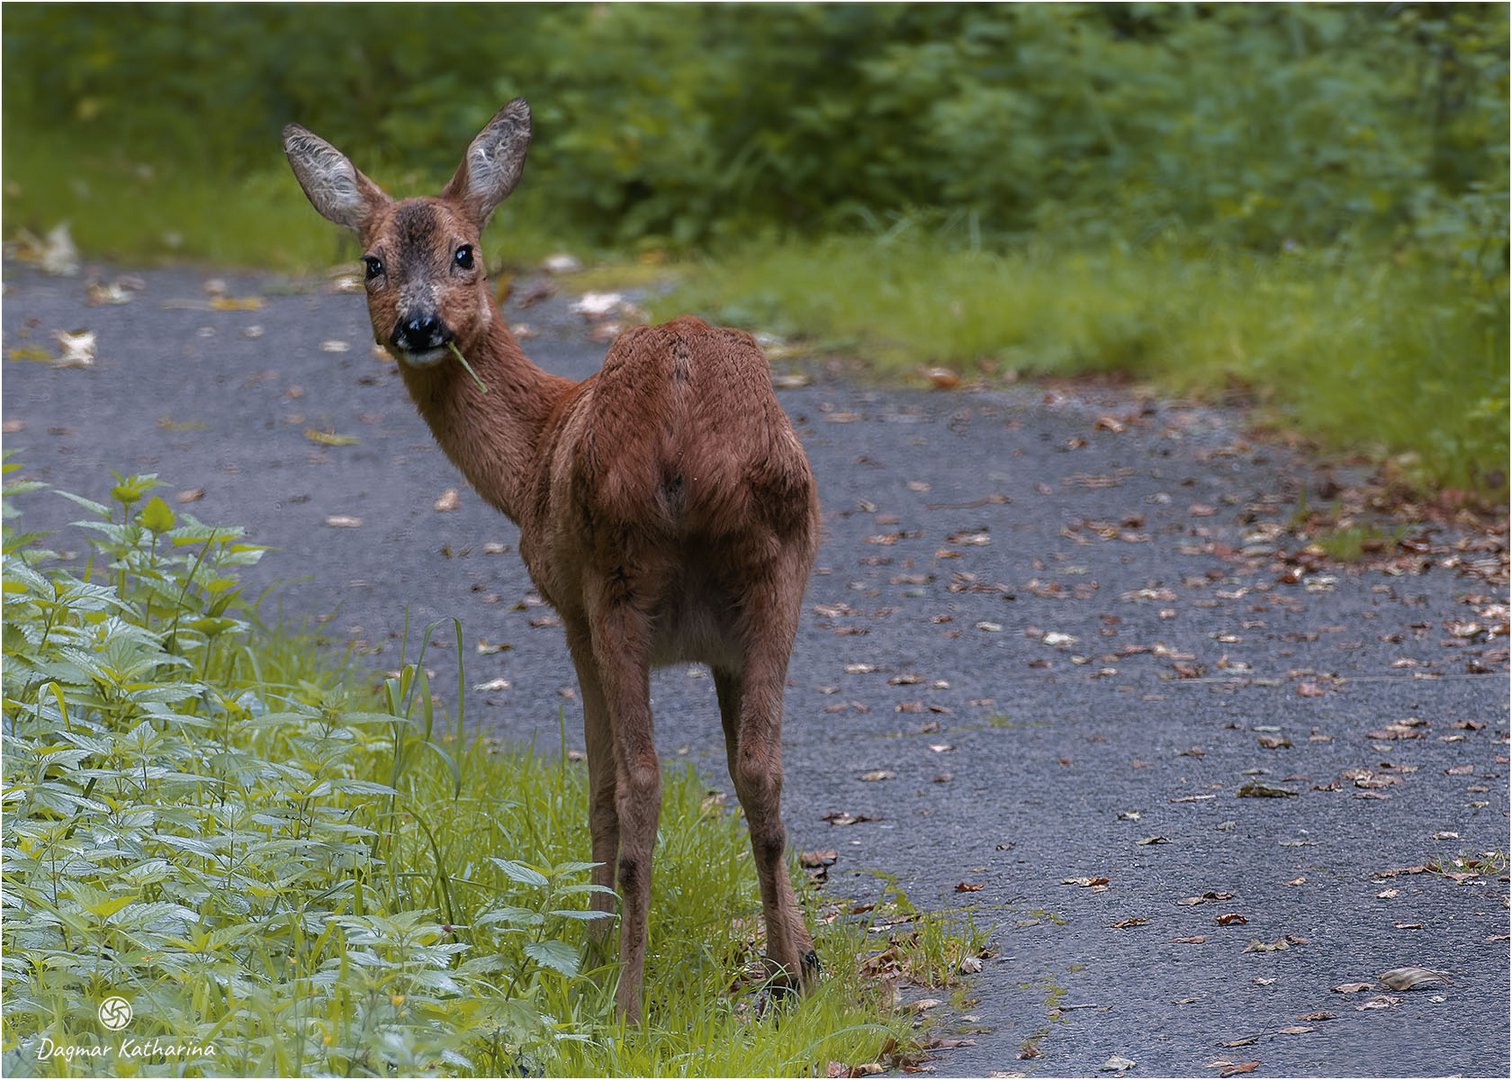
(1356, 151)
(670, 124)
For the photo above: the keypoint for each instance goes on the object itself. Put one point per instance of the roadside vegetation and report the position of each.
(1307, 202)
(272, 858)
(1402, 361)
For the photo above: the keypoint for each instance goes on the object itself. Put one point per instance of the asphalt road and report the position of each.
(1062, 640)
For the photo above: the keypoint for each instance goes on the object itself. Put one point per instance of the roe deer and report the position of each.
(666, 508)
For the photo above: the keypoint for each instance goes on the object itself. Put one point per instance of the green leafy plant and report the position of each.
(286, 876)
(209, 837)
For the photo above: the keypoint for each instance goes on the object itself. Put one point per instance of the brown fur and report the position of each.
(666, 510)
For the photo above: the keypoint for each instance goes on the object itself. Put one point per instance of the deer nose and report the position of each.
(420, 334)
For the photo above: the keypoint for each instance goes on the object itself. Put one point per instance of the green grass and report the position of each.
(266, 856)
(1368, 354)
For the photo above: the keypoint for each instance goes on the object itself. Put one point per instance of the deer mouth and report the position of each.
(422, 358)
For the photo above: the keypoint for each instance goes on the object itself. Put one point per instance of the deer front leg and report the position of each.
(603, 815)
(622, 647)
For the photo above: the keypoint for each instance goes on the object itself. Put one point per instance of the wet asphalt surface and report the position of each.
(1062, 641)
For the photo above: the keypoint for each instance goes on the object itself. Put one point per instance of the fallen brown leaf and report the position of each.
(942, 378)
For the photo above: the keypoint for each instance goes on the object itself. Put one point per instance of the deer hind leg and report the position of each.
(603, 814)
(622, 648)
(750, 703)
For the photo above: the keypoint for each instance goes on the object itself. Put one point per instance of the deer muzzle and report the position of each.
(421, 340)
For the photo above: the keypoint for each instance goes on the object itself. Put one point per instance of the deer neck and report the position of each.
(494, 438)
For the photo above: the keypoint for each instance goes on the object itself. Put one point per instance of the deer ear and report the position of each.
(493, 163)
(330, 181)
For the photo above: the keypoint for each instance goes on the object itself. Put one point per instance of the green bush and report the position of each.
(235, 849)
(684, 124)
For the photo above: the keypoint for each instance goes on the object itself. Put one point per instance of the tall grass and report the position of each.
(1364, 352)
(286, 872)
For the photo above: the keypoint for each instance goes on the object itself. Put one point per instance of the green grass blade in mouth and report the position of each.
(452, 345)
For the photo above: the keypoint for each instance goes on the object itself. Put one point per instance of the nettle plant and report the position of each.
(199, 819)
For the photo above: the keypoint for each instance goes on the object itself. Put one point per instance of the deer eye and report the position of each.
(374, 266)
(464, 257)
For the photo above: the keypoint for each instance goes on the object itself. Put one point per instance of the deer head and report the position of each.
(426, 286)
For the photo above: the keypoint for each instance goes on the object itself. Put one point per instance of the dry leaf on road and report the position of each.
(329, 438)
(1410, 978)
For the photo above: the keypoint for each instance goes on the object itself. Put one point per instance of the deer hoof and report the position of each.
(811, 966)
